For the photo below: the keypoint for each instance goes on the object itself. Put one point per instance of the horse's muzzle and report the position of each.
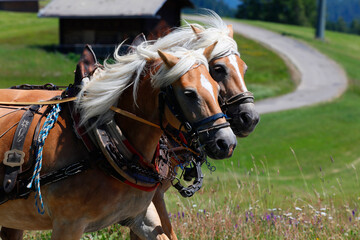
(220, 143)
(243, 118)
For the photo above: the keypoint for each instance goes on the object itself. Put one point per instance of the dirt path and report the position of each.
(321, 78)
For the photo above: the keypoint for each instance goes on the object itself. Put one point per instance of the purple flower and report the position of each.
(268, 218)
(353, 213)
(204, 211)
(236, 226)
(349, 219)
(178, 214)
(183, 214)
(169, 215)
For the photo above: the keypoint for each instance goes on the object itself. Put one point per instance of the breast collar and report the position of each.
(129, 165)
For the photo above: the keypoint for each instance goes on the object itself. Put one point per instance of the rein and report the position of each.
(51, 102)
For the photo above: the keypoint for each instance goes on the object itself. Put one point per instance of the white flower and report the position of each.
(330, 218)
(322, 209)
(194, 205)
(298, 209)
(323, 214)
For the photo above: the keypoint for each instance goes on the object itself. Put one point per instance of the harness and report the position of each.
(245, 97)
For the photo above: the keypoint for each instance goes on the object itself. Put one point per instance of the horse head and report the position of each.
(228, 69)
(192, 106)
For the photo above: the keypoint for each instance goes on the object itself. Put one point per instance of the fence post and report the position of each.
(321, 20)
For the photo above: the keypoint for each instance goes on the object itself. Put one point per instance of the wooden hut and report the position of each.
(104, 23)
(19, 5)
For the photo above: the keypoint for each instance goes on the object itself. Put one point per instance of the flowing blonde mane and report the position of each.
(107, 85)
(215, 30)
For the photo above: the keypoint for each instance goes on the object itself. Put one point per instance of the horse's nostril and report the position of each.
(246, 118)
(222, 144)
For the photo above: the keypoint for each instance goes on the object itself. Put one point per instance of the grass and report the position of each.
(27, 50)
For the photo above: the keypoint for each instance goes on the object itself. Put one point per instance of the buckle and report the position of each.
(14, 158)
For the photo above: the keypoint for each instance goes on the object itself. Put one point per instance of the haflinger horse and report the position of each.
(228, 69)
(138, 83)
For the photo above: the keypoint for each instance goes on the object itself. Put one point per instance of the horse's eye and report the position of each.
(219, 69)
(190, 94)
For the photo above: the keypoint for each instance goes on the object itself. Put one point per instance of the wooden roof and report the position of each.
(105, 8)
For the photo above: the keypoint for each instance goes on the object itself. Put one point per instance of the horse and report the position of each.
(93, 199)
(228, 69)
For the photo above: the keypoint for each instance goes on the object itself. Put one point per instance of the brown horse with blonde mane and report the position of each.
(228, 69)
(93, 199)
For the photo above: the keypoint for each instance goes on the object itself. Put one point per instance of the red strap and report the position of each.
(146, 189)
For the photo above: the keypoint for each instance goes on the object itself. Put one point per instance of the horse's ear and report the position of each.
(168, 59)
(231, 31)
(209, 49)
(196, 30)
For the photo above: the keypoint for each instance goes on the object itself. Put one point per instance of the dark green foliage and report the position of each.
(219, 6)
(297, 12)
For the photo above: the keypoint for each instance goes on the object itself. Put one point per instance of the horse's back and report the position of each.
(14, 95)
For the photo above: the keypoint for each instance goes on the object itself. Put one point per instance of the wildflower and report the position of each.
(200, 210)
(178, 214)
(194, 205)
(330, 218)
(349, 219)
(298, 209)
(183, 214)
(323, 214)
(236, 226)
(353, 213)
(169, 215)
(267, 217)
(322, 209)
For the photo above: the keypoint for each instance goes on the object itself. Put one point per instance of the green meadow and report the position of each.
(294, 177)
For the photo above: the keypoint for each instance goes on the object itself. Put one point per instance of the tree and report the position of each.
(298, 12)
(355, 26)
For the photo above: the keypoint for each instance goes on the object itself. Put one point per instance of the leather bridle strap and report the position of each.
(247, 97)
(133, 116)
(50, 102)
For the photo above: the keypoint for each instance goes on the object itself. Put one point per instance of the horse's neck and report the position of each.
(144, 138)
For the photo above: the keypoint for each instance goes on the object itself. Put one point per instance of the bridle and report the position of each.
(241, 98)
(244, 97)
(193, 130)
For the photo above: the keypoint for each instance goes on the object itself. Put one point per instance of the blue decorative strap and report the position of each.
(212, 118)
(48, 124)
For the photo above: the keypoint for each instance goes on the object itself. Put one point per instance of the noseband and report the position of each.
(241, 98)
